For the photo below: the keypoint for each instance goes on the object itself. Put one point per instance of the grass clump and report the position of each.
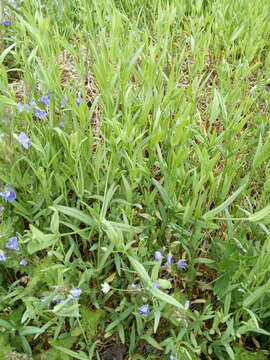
(134, 171)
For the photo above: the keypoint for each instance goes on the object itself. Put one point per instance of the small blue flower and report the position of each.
(76, 293)
(187, 305)
(58, 301)
(9, 194)
(169, 260)
(79, 100)
(144, 310)
(41, 114)
(155, 284)
(28, 107)
(24, 140)
(23, 262)
(6, 22)
(135, 286)
(158, 256)
(2, 256)
(46, 99)
(182, 263)
(20, 107)
(12, 244)
(63, 102)
(62, 125)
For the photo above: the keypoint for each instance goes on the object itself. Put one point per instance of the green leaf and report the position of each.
(73, 354)
(140, 269)
(225, 204)
(165, 297)
(39, 240)
(76, 214)
(6, 325)
(31, 330)
(152, 342)
(262, 153)
(260, 215)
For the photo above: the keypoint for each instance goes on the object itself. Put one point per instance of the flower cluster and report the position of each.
(9, 194)
(69, 297)
(182, 263)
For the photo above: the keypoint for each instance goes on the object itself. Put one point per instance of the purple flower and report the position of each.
(20, 107)
(135, 286)
(41, 114)
(62, 125)
(46, 99)
(169, 260)
(2, 256)
(9, 194)
(24, 140)
(63, 102)
(76, 293)
(182, 263)
(28, 107)
(12, 244)
(155, 284)
(79, 99)
(23, 262)
(158, 256)
(144, 310)
(58, 301)
(6, 22)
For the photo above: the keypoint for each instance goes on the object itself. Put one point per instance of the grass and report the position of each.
(167, 149)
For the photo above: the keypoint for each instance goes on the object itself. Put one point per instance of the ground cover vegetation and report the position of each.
(134, 179)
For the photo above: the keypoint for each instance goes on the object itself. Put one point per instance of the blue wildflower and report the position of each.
(24, 140)
(28, 107)
(144, 310)
(23, 262)
(58, 301)
(158, 256)
(41, 114)
(135, 286)
(76, 293)
(46, 99)
(63, 102)
(169, 260)
(20, 107)
(12, 244)
(9, 194)
(6, 22)
(2, 256)
(155, 284)
(187, 305)
(79, 100)
(182, 263)
(62, 125)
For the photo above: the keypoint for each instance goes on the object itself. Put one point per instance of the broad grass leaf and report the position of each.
(260, 215)
(262, 153)
(151, 341)
(165, 297)
(225, 204)
(73, 354)
(76, 214)
(140, 269)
